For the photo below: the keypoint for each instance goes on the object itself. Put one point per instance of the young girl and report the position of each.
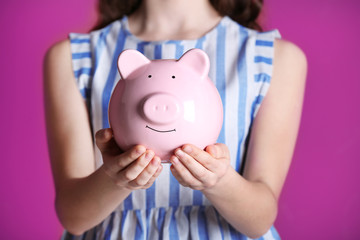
(228, 190)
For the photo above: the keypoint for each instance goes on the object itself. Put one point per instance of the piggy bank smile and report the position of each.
(164, 104)
(161, 131)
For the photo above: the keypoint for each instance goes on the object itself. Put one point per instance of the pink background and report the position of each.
(321, 198)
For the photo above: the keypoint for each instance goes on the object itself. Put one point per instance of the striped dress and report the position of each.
(241, 69)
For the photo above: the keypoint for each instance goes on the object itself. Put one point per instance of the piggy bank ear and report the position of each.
(198, 60)
(129, 61)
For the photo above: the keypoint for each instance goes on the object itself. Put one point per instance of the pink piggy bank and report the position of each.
(163, 104)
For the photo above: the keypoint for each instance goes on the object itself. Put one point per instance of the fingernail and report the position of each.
(149, 155)
(187, 149)
(179, 152)
(140, 150)
(174, 160)
(155, 161)
(213, 150)
(108, 133)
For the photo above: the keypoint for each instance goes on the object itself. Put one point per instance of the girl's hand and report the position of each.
(134, 169)
(199, 169)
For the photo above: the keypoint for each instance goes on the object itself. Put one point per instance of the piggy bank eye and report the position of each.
(173, 76)
(149, 76)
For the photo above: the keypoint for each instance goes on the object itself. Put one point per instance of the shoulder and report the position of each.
(58, 56)
(58, 68)
(285, 46)
(59, 46)
(289, 59)
(289, 71)
(286, 91)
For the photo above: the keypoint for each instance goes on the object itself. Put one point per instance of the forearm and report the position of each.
(250, 207)
(85, 202)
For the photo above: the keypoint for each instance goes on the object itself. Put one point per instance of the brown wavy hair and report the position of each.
(245, 12)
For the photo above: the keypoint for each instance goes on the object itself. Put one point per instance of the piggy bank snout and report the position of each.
(162, 108)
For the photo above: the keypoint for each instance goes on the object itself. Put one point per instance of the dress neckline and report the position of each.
(125, 23)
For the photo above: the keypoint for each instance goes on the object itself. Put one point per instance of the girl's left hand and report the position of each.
(199, 169)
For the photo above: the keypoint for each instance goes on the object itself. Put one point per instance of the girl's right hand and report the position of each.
(136, 168)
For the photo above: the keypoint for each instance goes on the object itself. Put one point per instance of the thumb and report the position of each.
(103, 139)
(211, 149)
(218, 150)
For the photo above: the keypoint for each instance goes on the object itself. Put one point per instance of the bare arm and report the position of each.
(249, 202)
(85, 196)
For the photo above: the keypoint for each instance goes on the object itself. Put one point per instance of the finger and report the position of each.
(136, 167)
(102, 137)
(218, 150)
(145, 176)
(194, 157)
(105, 141)
(115, 164)
(130, 156)
(212, 150)
(183, 174)
(154, 177)
(177, 176)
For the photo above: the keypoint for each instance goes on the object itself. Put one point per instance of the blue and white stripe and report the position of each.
(241, 69)
(82, 62)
